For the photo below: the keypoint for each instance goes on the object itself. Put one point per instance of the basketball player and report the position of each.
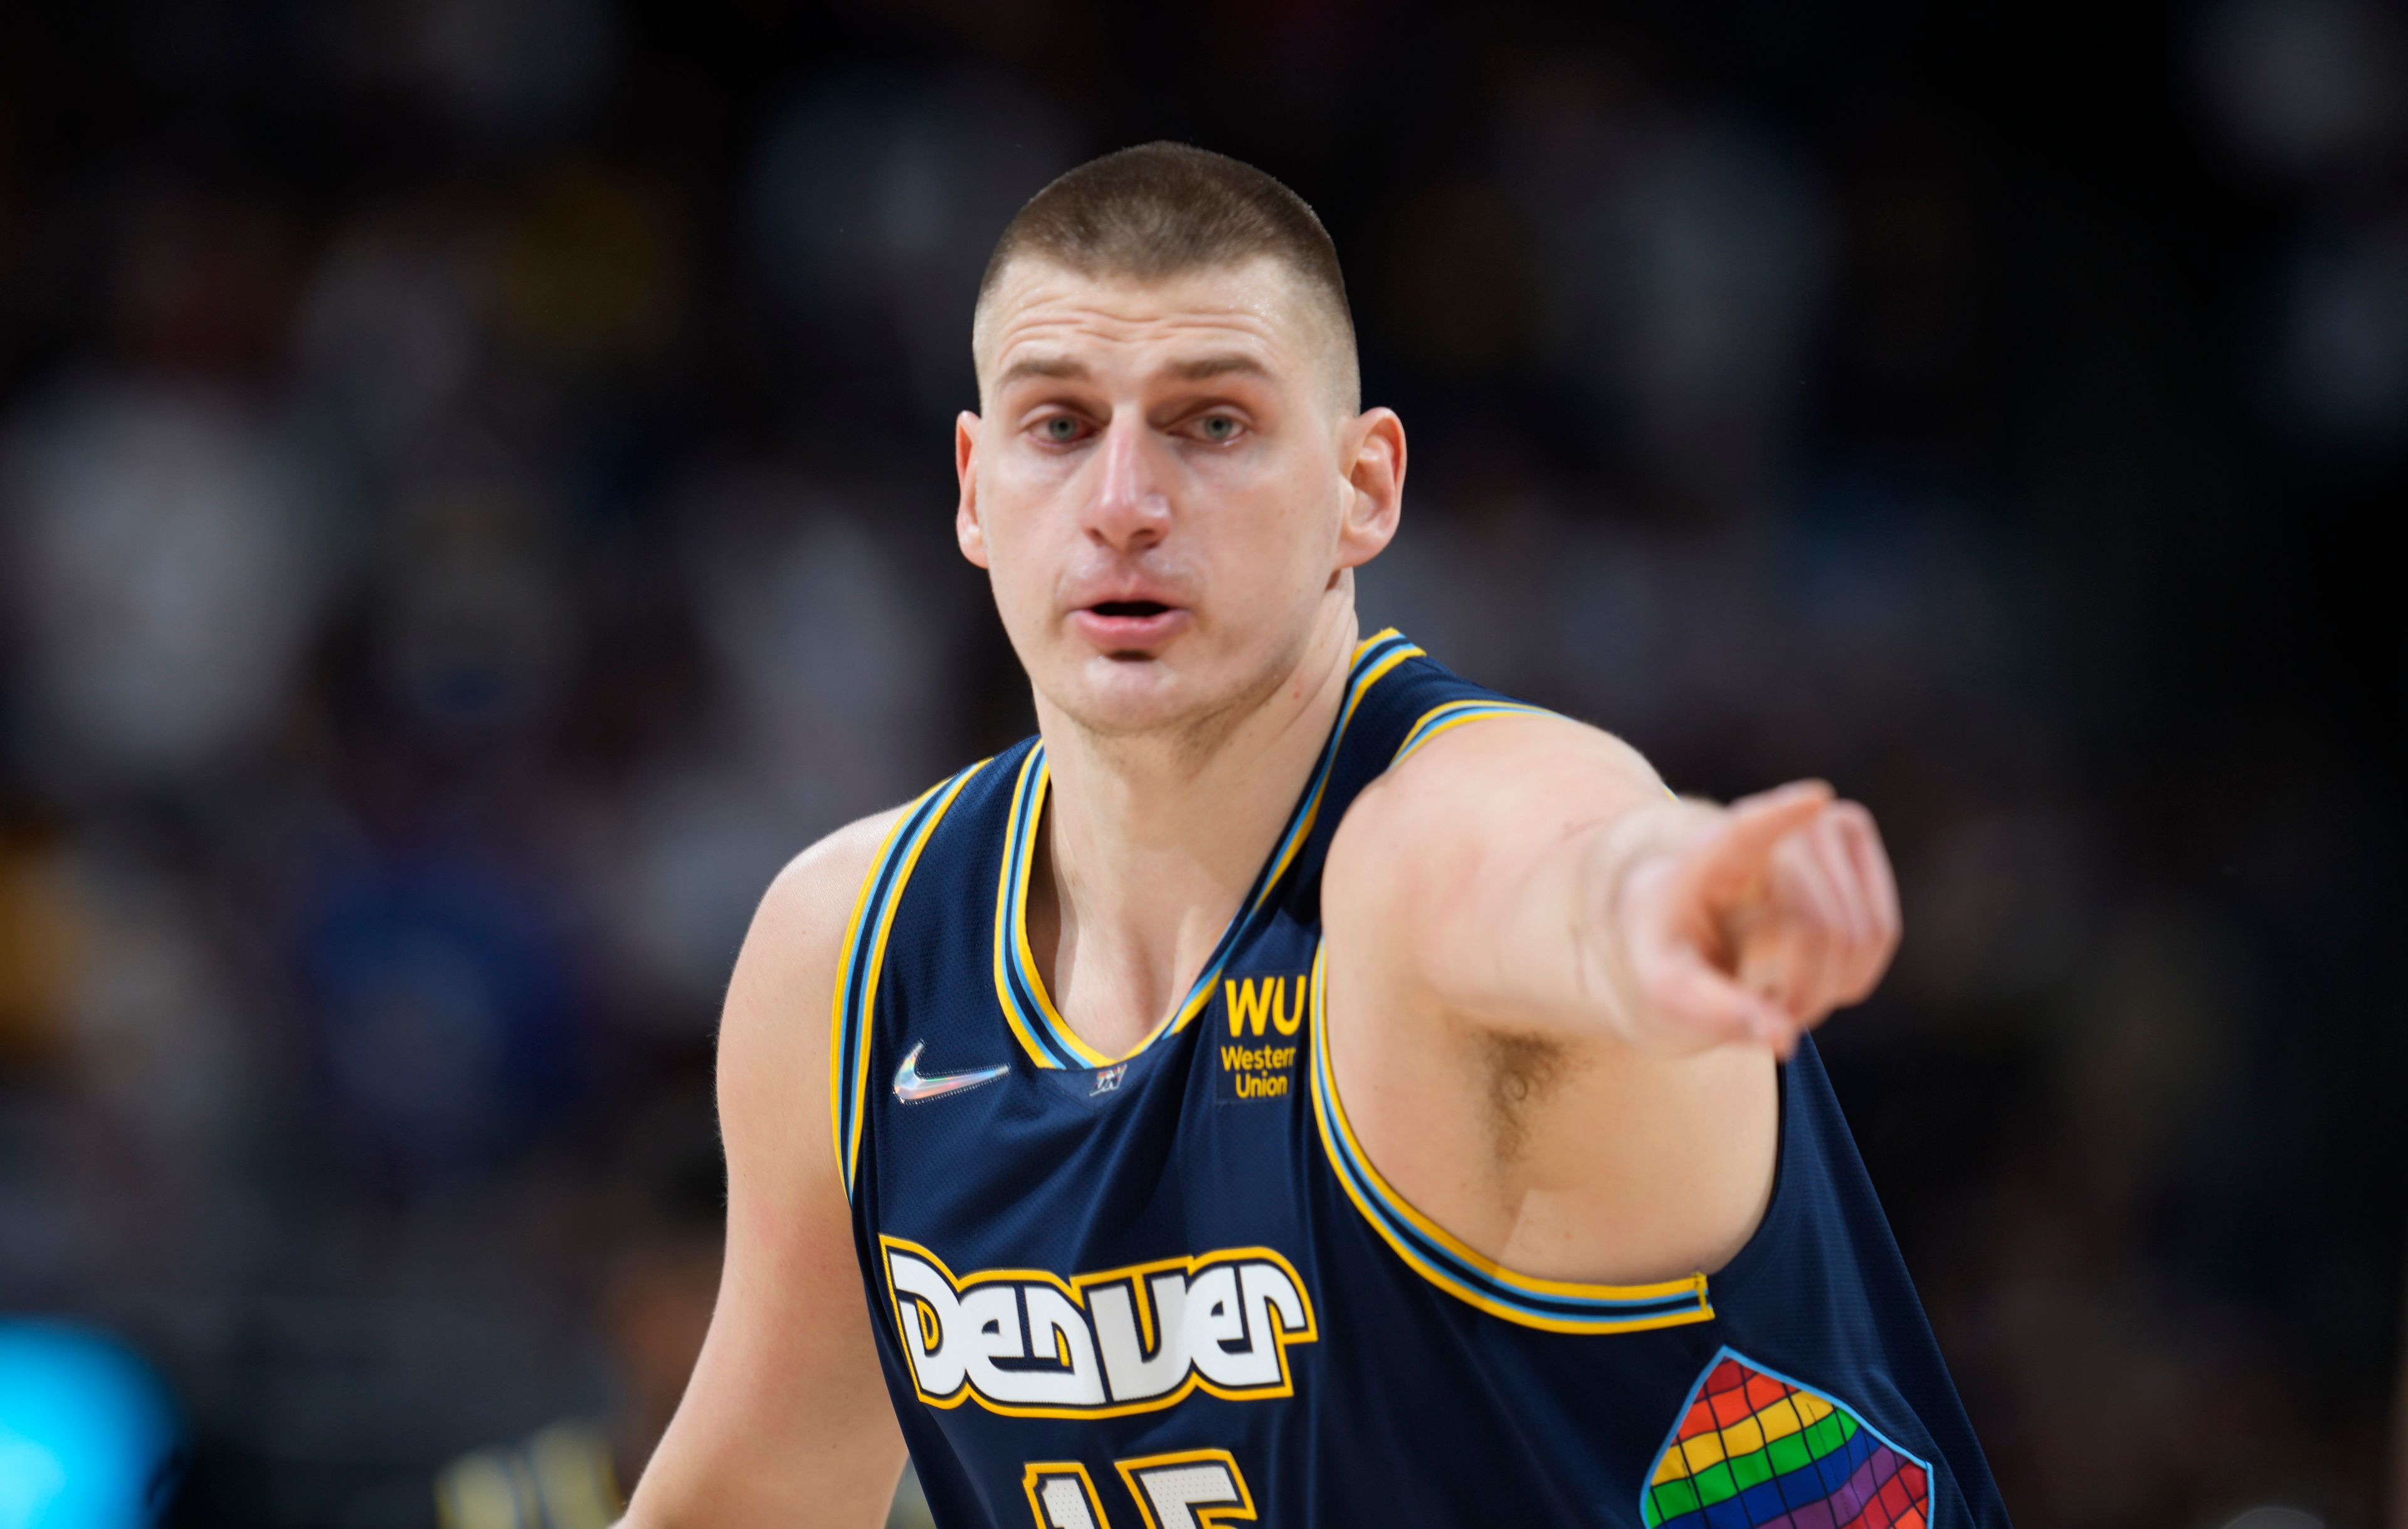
(1299, 1086)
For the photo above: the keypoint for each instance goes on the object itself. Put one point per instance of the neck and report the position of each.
(1148, 845)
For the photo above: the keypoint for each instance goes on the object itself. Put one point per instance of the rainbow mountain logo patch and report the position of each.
(1752, 1451)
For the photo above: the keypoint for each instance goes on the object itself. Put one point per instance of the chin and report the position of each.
(1181, 692)
(1131, 696)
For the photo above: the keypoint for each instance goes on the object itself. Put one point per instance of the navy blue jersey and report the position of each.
(1168, 1289)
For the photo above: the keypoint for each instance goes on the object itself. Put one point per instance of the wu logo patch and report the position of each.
(1265, 1016)
(913, 1087)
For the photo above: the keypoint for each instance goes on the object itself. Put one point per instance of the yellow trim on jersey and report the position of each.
(1026, 819)
(854, 1005)
(1557, 1305)
(1048, 1039)
(1454, 714)
(1020, 929)
(837, 1008)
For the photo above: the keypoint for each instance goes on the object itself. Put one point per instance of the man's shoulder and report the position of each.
(804, 913)
(1455, 814)
(786, 974)
(1499, 758)
(799, 929)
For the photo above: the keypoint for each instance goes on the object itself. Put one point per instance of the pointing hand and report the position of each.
(1749, 923)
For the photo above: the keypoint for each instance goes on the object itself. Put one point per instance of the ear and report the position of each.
(968, 531)
(1373, 453)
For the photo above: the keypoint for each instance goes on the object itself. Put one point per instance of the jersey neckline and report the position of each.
(1029, 1008)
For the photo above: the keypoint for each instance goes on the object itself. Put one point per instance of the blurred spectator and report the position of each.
(475, 634)
(388, 329)
(661, 1272)
(662, 1276)
(447, 1013)
(161, 567)
(832, 669)
(1678, 260)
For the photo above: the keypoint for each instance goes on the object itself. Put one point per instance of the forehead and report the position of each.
(1038, 308)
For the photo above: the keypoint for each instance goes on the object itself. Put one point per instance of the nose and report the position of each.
(1130, 512)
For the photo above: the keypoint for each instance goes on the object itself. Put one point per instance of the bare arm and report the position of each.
(1532, 873)
(1556, 993)
(786, 1421)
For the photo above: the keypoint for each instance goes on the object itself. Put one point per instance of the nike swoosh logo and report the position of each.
(913, 1087)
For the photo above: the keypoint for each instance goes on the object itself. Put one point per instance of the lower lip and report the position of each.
(1122, 634)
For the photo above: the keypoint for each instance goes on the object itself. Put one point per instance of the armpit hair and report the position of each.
(1522, 1071)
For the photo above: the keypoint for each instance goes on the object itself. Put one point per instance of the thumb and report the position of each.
(1731, 863)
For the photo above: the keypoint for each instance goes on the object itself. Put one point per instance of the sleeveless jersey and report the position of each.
(1170, 1290)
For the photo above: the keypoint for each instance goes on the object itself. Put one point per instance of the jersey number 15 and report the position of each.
(1193, 1488)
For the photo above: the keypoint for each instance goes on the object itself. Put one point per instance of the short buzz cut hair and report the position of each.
(1162, 210)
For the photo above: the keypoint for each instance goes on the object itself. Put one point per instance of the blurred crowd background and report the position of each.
(475, 495)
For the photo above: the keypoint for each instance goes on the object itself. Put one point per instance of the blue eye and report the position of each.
(1060, 428)
(1217, 428)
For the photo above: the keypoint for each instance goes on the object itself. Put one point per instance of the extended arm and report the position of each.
(1533, 873)
(786, 1421)
(1556, 993)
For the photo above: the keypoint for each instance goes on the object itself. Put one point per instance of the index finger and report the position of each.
(1733, 855)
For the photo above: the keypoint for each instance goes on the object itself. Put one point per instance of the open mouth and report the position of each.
(1130, 628)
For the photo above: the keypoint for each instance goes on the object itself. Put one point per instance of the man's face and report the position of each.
(1167, 485)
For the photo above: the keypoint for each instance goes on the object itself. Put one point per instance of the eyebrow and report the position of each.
(1204, 367)
(1043, 365)
(1195, 370)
